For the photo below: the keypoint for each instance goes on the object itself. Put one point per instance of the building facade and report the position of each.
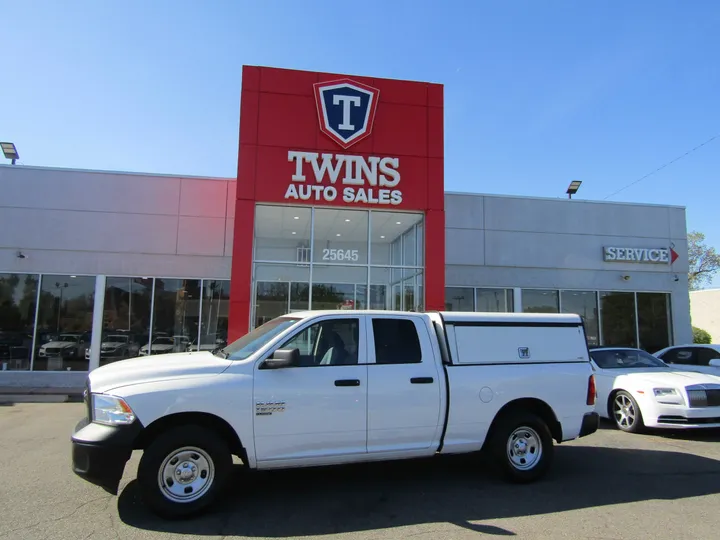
(339, 203)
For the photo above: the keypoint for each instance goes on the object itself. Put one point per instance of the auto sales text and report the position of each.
(380, 174)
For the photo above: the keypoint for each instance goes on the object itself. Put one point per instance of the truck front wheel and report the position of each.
(182, 471)
(522, 446)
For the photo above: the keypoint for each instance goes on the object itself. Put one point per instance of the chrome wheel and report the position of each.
(186, 474)
(524, 448)
(624, 411)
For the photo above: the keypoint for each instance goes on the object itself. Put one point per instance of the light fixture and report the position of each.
(73, 277)
(338, 234)
(10, 151)
(382, 236)
(294, 232)
(398, 223)
(347, 221)
(296, 217)
(573, 188)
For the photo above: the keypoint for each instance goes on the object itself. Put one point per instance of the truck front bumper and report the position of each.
(99, 452)
(590, 424)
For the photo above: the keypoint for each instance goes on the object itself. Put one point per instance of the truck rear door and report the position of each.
(405, 385)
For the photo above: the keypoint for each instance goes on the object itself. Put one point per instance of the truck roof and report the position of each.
(454, 316)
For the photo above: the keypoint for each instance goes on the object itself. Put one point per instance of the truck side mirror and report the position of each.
(282, 358)
(715, 362)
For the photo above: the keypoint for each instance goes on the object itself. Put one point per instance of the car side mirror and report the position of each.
(282, 358)
(715, 362)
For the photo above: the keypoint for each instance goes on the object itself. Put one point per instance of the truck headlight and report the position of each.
(111, 410)
(669, 396)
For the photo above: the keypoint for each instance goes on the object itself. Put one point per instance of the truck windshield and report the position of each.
(256, 339)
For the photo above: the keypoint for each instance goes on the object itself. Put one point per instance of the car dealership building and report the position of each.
(339, 203)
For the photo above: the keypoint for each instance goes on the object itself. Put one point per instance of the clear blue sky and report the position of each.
(536, 93)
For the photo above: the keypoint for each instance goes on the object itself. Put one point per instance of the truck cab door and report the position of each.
(315, 410)
(405, 386)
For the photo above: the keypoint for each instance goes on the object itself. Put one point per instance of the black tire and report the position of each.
(205, 451)
(622, 420)
(522, 427)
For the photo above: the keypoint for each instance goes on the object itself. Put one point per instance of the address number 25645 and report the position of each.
(340, 255)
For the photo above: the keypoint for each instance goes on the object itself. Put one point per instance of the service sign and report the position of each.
(647, 255)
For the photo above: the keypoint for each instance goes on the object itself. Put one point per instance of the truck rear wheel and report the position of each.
(182, 471)
(522, 446)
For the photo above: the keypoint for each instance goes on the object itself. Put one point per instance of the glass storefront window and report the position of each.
(459, 299)
(494, 300)
(340, 261)
(176, 316)
(18, 298)
(584, 303)
(214, 319)
(338, 287)
(394, 237)
(617, 313)
(126, 318)
(540, 301)
(341, 237)
(280, 289)
(282, 233)
(64, 323)
(654, 321)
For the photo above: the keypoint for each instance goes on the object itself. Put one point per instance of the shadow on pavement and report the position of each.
(458, 490)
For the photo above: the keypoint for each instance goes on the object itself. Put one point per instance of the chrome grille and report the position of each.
(704, 395)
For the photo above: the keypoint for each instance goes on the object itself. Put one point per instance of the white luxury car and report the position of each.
(693, 357)
(637, 390)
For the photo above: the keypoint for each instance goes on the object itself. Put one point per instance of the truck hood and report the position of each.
(152, 369)
(664, 377)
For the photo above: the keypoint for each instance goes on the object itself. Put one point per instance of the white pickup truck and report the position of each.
(334, 387)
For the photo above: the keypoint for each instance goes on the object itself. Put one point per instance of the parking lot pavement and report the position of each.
(609, 485)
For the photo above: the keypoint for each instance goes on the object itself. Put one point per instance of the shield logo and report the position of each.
(346, 110)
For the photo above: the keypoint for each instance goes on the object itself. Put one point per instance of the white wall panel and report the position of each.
(563, 216)
(229, 235)
(545, 250)
(203, 198)
(87, 231)
(464, 211)
(114, 264)
(31, 187)
(678, 226)
(465, 246)
(201, 236)
(231, 200)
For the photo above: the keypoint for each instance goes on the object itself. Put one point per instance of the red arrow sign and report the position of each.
(673, 256)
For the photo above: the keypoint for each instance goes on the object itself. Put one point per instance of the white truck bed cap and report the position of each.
(451, 317)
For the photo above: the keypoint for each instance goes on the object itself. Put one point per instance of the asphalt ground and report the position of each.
(608, 485)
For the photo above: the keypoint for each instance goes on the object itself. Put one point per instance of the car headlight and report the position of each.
(111, 410)
(669, 396)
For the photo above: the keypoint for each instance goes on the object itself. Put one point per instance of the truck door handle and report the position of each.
(347, 382)
(421, 380)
